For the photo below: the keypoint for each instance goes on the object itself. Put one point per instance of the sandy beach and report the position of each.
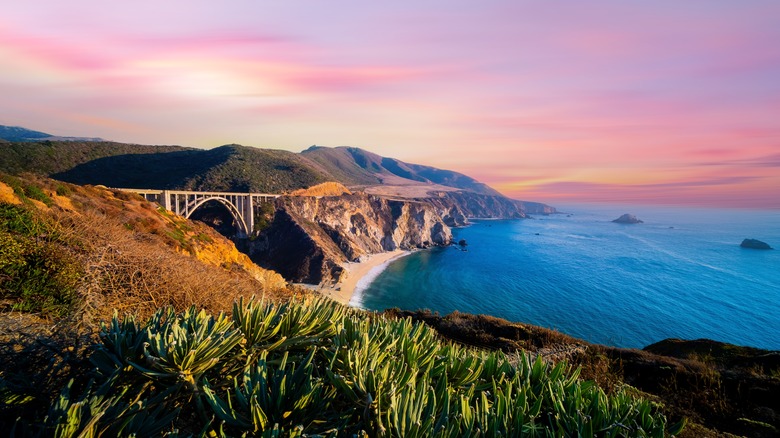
(367, 270)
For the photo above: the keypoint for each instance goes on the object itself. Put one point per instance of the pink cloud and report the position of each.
(56, 52)
(772, 160)
(748, 191)
(346, 79)
(134, 62)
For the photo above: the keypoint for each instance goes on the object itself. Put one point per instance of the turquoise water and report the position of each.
(680, 274)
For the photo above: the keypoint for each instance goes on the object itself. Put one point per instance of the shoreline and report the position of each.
(358, 276)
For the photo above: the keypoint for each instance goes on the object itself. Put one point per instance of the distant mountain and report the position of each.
(356, 167)
(16, 133)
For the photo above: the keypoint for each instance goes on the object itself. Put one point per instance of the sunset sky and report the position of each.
(553, 101)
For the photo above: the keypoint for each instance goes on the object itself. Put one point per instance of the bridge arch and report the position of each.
(237, 216)
(184, 202)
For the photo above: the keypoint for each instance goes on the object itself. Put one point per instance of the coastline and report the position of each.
(357, 277)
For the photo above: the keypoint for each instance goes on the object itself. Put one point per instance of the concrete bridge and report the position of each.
(184, 203)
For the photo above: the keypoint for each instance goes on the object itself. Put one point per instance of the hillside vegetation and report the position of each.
(226, 168)
(48, 158)
(71, 250)
(324, 189)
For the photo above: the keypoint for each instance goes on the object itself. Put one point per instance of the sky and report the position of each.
(662, 102)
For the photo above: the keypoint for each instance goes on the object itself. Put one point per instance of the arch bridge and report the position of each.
(184, 202)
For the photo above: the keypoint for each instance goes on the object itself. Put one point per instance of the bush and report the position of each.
(26, 191)
(36, 274)
(63, 190)
(35, 192)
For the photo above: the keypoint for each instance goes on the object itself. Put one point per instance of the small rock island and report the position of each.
(754, 244)
(628, 219)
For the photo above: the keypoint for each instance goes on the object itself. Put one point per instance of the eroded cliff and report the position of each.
(456, 207)
(310, 238)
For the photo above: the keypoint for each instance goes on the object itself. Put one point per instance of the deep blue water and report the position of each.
(680, 274)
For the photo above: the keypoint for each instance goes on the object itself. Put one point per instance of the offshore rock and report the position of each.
(754, 244)
(311, 237)
(628, 219)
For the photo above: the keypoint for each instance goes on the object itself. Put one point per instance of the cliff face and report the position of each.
(456, 207)
(310, 237)
(536, 207)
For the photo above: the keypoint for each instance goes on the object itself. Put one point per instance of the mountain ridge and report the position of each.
(370, 169)
(235, 167)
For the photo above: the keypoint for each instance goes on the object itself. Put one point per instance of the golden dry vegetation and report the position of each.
(324, 189)
(135, 257)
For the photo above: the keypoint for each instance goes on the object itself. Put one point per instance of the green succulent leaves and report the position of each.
(315, 368)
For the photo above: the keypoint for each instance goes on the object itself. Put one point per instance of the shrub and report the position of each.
(36, 274)
(35, 192)
(63, 190)
(26, 190)
(14, 183)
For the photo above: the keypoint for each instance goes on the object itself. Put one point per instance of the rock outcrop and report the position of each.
(311, 237)
(536, 208)
(456, 207)
(628, 219)
(754, 244)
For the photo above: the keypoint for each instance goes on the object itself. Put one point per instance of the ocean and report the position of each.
(681, 274)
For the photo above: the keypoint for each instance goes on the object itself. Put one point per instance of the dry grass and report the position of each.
(323, 189)
(137, 259)
(143, 270)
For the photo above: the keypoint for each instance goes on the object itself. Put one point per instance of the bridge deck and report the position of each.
(195, 192)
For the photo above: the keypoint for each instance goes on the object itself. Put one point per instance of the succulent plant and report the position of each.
(312, 367)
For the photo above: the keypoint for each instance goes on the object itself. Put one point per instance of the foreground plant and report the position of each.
(313, 367)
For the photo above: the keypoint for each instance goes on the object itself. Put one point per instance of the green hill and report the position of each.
(49, 158)
(225, 168)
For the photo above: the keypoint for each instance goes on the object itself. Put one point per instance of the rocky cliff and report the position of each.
(456, 208)
(310, 237)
